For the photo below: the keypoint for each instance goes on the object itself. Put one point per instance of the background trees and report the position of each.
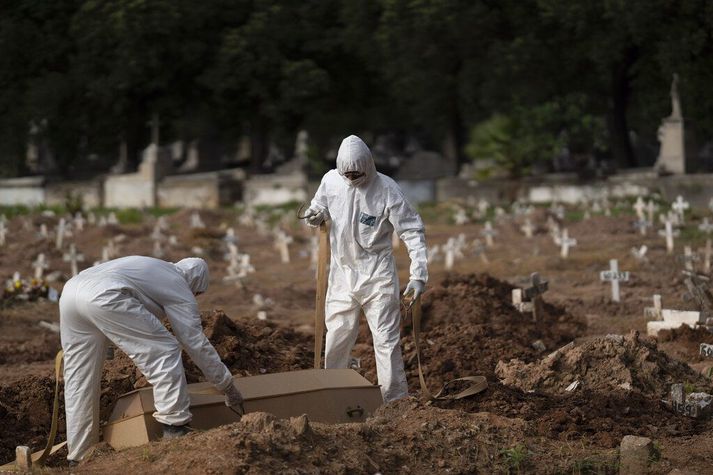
(86, 75)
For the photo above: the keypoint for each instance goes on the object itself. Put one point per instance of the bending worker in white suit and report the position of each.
(122, 301)
(365, 208)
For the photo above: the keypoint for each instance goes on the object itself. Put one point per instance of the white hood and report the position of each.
(195, 271)
(355, 156)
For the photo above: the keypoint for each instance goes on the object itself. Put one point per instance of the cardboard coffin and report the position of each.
(325, 395)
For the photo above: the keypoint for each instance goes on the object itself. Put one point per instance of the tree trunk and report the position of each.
(618, 125)
(258, 143)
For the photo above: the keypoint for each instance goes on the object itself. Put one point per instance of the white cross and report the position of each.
(282, 242)
(157, 249)
(613, 275)
(43, 231)
(651, 209)
(640, 253)
(61, 228)
(705, 226)
(689, 258)
(680, 206)
(196, 221)
(40, 265)
(73, 257)
(460, 217)
(79, 221)
(112, 219)
(232, 254)
(639, 207)
(483, 206)
(3, 233)
(669, 234)
(565, 243)
(527, 228)
(451, 248)
(654, 312)
(488, 232)
(230, 237)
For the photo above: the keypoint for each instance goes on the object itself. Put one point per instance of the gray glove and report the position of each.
(415, 286)
(314, 217)
(233, 398)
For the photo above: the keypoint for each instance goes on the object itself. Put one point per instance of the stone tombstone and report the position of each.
(672, 154)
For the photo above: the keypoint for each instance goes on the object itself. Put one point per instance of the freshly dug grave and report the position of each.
(405, 437)
(250, 347)
(610, 363)
(685, 342)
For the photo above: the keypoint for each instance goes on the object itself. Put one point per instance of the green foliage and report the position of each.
(516, 457)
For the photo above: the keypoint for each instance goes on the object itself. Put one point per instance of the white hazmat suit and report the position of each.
(364, 214)
(122, 301)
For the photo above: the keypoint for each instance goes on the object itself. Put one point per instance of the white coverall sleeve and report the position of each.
(409, 227)
(186, 324)
(320, 202)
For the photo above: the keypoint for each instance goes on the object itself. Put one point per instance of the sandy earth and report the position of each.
(525, 421)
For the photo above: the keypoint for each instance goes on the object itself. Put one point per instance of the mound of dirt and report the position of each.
(603, 364)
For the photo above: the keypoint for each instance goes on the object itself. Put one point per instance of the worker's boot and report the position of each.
(171, 432)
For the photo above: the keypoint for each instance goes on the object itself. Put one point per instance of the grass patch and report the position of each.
(515, 458)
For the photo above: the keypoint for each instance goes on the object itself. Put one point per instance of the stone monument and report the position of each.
(672, 154)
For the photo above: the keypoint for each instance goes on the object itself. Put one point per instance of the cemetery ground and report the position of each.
(551, 406)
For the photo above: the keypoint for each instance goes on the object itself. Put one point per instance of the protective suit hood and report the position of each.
(195, 271)
(354, 155)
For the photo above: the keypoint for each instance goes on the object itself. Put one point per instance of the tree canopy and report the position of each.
(512, 80)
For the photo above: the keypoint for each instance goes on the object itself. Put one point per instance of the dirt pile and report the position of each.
(603, 364)
(405, 437)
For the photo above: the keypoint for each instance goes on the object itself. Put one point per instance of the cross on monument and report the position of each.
(614, 276)
(73, 257)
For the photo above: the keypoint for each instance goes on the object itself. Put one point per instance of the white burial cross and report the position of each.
(614, 276)
(73, 257)
(639, 207)
(60, 230)
(527, 228)
(40, 265)
(79, 221)
(669, 234)
(282, 243)
(3, 233)
(488, 232)
(680, 206)
(565, 243)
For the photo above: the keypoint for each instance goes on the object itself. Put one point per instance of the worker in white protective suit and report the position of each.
(365, 207)
(121, 302)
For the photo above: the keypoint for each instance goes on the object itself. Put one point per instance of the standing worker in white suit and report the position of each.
(122, 301)
(365, 208)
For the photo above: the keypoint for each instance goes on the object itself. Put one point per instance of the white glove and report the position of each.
(233, 398)
(314, 217)
(416, 286)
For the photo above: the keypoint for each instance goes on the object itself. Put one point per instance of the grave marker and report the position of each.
(79, 221)
(489, 232)
(40, 265)
(43, 231)
(669, 233)
(651, 209)
(532, 296)
(282, 242)
(3, 233)
(528, 228)
(654, 312)
(479, 251)
(60, 230)
(680, 206)
(112, 220)
(689, 258)
(640, 207)
(640, 253)
(73, 257)
(614, 276)
(450, 249)
(565, 242)
(196, 221)
(706, 350)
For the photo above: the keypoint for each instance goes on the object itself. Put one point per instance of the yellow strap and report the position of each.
(321, 295)
(478, 383)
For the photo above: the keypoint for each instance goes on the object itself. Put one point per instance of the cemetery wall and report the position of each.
(201, 190)
(56, 193)
(28, 191)
(275, 189)
(132, 190)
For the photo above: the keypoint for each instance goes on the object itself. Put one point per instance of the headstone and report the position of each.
(655, 312)
(40, 265)
(614, 276)
(450, 249)
(565, 242)
(640, 207)
(635, 455)
(112, 220)
(672, 154)
(679, 207)
(73, 257)
(43, 231)
(59, 233)
(669, 233)
(23, 459)
(460, 217)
